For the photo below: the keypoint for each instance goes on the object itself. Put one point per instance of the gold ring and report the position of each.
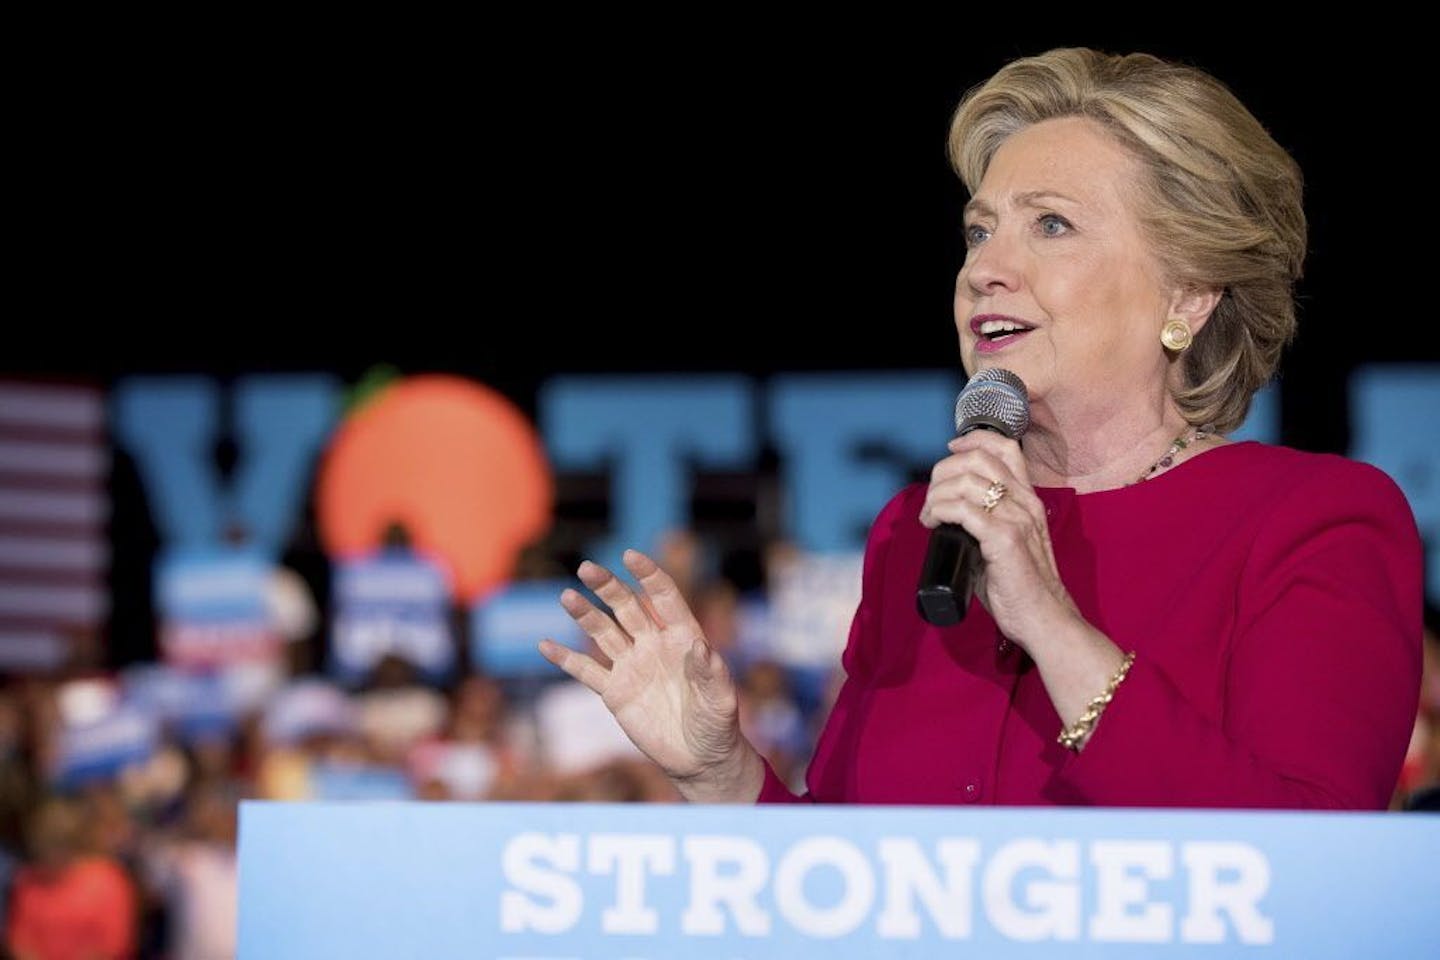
(993, 495)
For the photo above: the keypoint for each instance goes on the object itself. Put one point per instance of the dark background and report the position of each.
(509, 202)
(752, 203)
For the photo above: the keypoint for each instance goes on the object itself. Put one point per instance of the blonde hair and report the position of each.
(1220, 201)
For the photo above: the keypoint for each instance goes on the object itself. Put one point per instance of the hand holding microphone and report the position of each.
(993, 399)
(990, 536)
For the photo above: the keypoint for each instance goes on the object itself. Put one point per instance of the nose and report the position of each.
(992, 266)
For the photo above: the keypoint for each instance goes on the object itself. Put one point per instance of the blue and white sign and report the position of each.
(100, 749)
(526, 881)
(507, 625)
(196, 706)
(352, 781)
(395, 603)
(308, 707)
(214, 608)
(812, 605)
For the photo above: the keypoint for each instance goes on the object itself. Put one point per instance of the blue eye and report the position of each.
(975, 233)
(1052, 218)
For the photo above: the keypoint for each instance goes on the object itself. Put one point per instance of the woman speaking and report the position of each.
(1165, 616)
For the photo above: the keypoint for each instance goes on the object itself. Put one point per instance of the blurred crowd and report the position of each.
(130, 851)
(137, 857)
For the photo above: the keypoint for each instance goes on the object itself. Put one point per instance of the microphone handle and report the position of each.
(947, 578)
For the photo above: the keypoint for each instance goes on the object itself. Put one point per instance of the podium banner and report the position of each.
(532, 881)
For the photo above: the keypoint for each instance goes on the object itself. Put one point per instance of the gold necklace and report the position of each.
(1168, 458)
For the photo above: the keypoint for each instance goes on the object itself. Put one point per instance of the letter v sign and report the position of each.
(170, 426)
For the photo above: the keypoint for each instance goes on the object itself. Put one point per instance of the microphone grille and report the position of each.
(993, 398)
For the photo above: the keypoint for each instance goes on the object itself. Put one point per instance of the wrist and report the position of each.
(1062, 628)
(737, 778)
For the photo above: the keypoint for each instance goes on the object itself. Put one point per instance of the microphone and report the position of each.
(993, 399)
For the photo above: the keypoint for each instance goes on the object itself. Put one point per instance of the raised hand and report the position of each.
(669, 691)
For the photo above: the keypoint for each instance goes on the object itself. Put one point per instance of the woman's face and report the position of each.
(1053, 243)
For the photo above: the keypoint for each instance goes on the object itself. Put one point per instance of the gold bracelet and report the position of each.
(1072, 737)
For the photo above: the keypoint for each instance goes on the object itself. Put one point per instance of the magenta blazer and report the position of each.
(1273, 599)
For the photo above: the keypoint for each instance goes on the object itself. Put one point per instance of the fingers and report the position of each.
(1017, 517)
(605, 631)
(578, 665)
(658, 604)
(970, 471)
(977, 461)
(981, 462)
(996, 533)
(1004, 449)
(666, 601)
(617, 596)
(951, 499)
(970, 476)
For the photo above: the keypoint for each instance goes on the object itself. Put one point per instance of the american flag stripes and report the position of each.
(54, 507)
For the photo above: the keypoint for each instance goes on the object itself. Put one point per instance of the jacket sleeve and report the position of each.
(1323, 671)
(826, 766)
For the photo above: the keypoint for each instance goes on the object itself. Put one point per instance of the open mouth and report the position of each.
(1000, 335)
(997, 332)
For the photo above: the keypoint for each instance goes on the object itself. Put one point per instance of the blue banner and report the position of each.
(506, 627)
(195, 706)
(100, 749)
(637, 881)
(395, 603)
(308, 707)
(352, 781)
(213, 606)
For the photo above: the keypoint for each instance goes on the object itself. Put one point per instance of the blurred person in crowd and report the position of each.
(67, 904)
(212, 758)
(536, 560)
(682, 553)
(18, 787)
(396, 710)
(292, 617)
(17, 791)
(309, 721)
(9, 863)
(291, 604)
(474, 758)
(619, 781)
(85, 655)
(157, 785)
(770, 719)
(295, 618)
(1419, 786)
(575, 736)
(717, 610)
(195, 874)
(1164, 616)
(40, 709)
(117, 832)
(110, 828)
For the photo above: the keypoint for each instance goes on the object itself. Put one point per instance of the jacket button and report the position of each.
(971, 793)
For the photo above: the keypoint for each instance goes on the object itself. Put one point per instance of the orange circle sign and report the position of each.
(455, 462)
